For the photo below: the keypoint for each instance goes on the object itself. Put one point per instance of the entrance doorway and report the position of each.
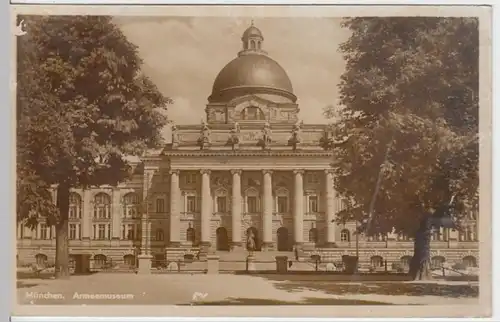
(255, 233)
(222, 241)
(282, 239)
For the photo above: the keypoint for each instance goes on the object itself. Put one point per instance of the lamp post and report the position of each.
(357, 247)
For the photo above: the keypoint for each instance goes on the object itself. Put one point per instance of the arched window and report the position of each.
(190, 236)
(41, 259)
(99, 261)
(253, 113)
(252, 44)
(345, 236)
(159, 235)
(102, 206)
(75, 206)
(377, 261)
(129, 260)
(405, 262)
(130, 205)
(437, 261)
(313, 235)
(469, 261)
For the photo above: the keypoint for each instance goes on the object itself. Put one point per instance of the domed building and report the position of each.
(251, 174)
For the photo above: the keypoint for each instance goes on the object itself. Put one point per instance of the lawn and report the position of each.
(401, 289)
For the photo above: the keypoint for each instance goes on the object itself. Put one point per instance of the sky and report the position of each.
(183, 55)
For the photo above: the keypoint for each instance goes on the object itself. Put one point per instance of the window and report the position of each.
(72, 231)
(221, 204)
(75, 206)
(160, 205)
(191, 177)
(20, 231)
(469, 261)
(190, 234)
(437, 261)
(130, 205)
(102, 206)
(99, 261)
(102, 232)
(191, 203)
(282, 204)
(312, 178)
(376, 261)
(313, 203)
(159, 235)
(253, 113)
(345, 235)
(252, 204)
(436, 234)
(43, 231)
(41, 259)
(124, 231)
(130, 232)
(129, 260)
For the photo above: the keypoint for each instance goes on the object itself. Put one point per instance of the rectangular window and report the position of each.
(252, 204)
(313, 203)
(191, 203)
(191, 178)
(43, 231)
(282, 204)
(130, 232)
(312, 178)
(139, 232)
(94, 234)
(160, 205)
(102, 232)
(109, 231)
(221, 204)
(72, 231)
(79, 231)
(124, 229)
(73, 212)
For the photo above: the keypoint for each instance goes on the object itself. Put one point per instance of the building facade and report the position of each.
(251, 166)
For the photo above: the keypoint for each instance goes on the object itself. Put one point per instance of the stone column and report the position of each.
(206, 207)
(236, 209)
(330, 209)
(175, 219)
(298, 209)
(267, 213)
(145, 257)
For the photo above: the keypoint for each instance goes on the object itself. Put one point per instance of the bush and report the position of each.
(316, 258)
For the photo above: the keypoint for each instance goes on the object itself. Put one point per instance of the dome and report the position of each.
(252, 31)
(252, 72)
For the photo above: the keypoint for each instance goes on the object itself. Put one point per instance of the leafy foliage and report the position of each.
(410, 89)
(83, 106)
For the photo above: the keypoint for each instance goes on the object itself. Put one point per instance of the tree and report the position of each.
(83, 106)
(409, 106)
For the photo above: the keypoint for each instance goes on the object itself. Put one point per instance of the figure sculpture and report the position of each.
(235, 135)
(175, 136)
(296, 138)
(250, 242)
(266, 135)
(204, 140)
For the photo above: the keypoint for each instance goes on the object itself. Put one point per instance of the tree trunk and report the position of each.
(62, 246)
(420, 269)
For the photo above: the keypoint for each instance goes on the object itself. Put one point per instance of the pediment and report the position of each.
(250, 100)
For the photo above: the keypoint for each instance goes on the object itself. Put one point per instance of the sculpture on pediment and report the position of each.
(296, 138)
(234, 138)
(266, 136)
(204, 139)
(175, 136)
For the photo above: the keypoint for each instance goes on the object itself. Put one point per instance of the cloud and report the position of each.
(183, 55)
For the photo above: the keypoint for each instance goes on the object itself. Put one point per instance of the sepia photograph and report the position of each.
(252, 157)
